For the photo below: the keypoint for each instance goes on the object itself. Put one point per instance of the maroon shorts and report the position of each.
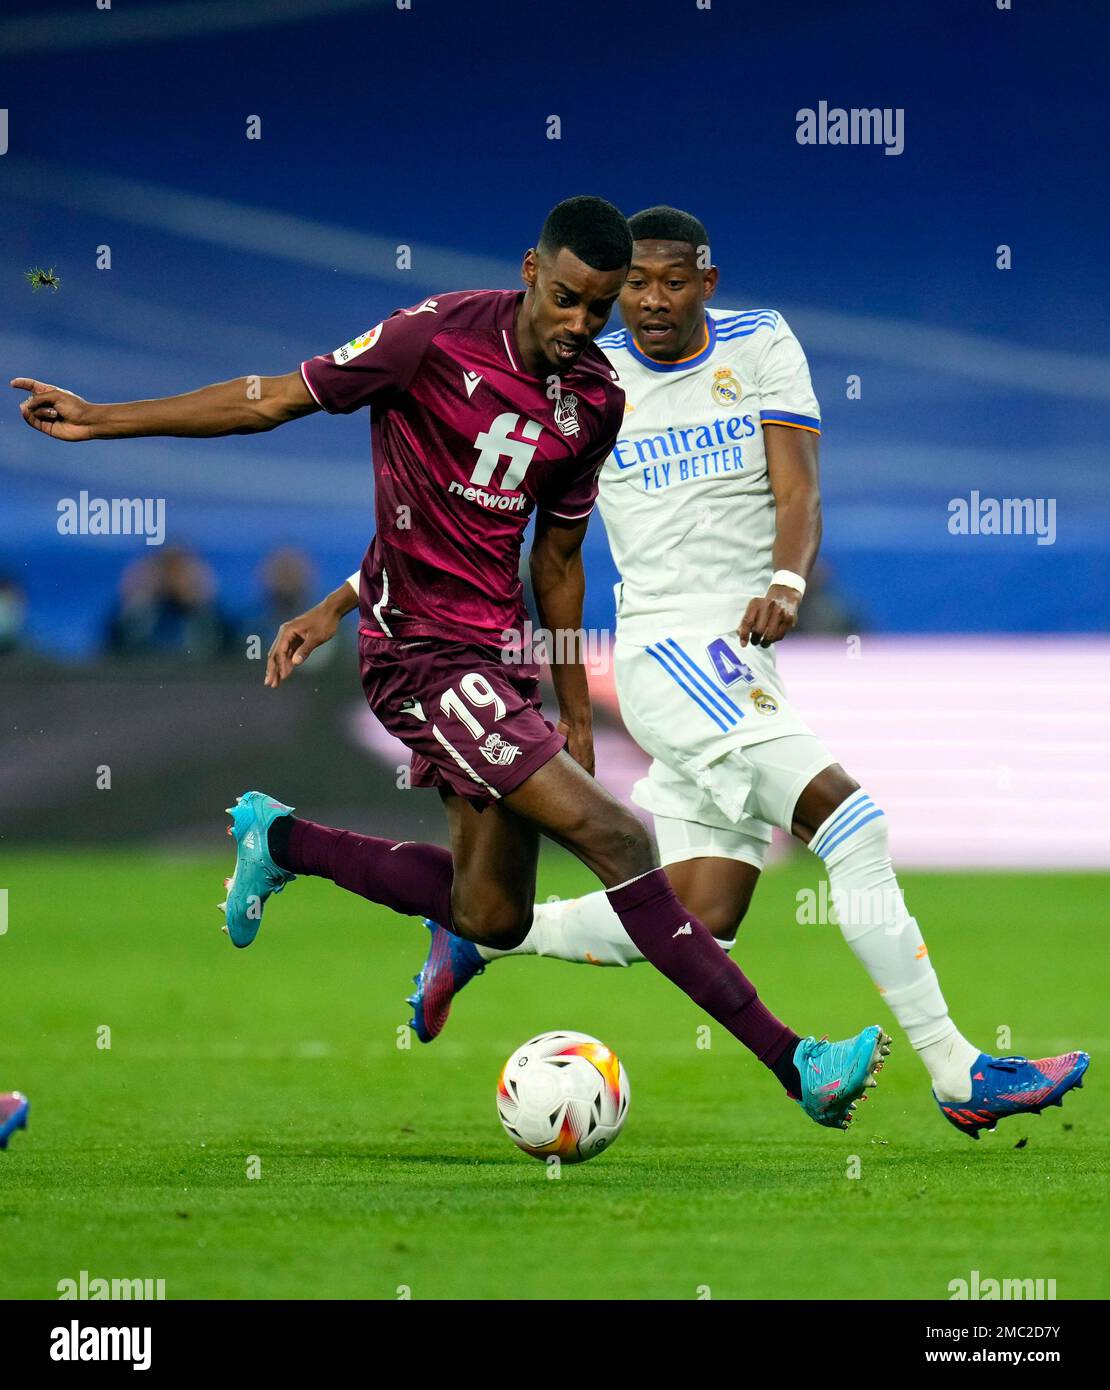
(472, 721)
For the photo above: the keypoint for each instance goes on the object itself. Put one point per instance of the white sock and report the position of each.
(886, 939)
(585, 930)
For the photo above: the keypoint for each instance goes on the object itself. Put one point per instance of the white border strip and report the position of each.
(458, 757)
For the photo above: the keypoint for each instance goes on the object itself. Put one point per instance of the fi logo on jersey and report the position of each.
(726, 389)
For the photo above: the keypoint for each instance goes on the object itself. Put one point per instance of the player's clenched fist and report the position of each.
(55, 412)
(768, 619)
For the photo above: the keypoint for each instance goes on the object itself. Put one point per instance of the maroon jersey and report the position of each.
(466, 445)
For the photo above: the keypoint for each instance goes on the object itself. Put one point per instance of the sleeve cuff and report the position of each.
(311, 389)
(563, 516)
(787, 417)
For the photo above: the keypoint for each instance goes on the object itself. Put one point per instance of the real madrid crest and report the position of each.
(726, 389)
(763, 702)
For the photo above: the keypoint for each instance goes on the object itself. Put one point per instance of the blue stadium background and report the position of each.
(426, 127)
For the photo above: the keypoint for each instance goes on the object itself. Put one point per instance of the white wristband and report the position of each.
(790, 580)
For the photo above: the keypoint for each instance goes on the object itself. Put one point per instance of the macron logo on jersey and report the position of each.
(470, 381)
(428, 307)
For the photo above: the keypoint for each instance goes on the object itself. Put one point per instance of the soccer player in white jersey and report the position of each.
(14, 1109)
(712, 505)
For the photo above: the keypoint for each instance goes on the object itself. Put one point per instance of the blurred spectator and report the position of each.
(167, 603)
(290, 588)
(288, 581)
(13, 614)
(823, 611)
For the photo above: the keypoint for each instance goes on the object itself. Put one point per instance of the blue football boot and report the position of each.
(14, 1109)
(452, 963)
(1004, 1086)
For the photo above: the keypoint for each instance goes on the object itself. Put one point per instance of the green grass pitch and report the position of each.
(383, 1169)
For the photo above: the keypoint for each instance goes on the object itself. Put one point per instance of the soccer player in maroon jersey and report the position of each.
(486, 407)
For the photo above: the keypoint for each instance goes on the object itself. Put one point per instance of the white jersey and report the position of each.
(685, 495)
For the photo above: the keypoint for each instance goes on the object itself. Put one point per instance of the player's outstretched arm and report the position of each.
(297, 638)
(793, 475)
(559, 586)
(247, 405)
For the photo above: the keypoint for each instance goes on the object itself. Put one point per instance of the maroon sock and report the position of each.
(411, 878)
(684, 950)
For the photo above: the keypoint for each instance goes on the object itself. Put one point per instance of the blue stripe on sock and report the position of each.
(693, 694)
(850, 830)
(845, 809)
(845, 823)
(849, 808)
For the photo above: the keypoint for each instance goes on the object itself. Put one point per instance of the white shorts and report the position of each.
(730, 754)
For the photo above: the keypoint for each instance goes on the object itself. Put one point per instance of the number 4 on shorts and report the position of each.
(727, 664)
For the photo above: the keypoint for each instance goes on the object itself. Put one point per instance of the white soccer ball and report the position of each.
(564, 1094)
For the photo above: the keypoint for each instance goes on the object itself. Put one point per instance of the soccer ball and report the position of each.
(563, 1094)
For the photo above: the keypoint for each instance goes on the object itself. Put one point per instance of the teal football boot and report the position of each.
(835, 1075)
(256, 875)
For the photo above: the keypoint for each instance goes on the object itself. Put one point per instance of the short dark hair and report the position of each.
(669, 224)
(593, 229)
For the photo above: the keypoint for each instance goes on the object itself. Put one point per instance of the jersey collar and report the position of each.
(684, 363)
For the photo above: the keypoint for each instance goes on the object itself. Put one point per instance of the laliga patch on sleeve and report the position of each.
(356, 345)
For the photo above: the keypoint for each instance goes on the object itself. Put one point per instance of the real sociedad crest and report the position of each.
(726, 389)
(566, 413)
(497, 751)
